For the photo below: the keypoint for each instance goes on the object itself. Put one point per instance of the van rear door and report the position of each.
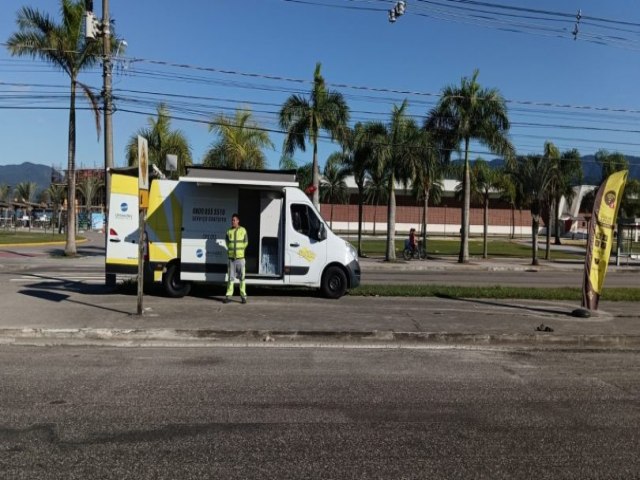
(123, 228)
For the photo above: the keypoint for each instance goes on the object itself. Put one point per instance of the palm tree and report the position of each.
(300, 117)
(5, 190)
(533, 175)
(288, 163)
(64, 46)
(240, 144)
(466, 113)
(551, 155)
(398, 152)
(56, 193)
(567, 172)
(427, 183)
(360, 159)
(162, 142)
(26, 193)
(508, 191)
(333, 188)
(304, 176)
(611, 163)
(89, 187)
(485, 181)
(375, 191)
(630, 204)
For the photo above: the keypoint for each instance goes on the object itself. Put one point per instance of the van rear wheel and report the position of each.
(173, 286)
(334, 283)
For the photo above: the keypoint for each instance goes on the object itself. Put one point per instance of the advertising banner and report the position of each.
(600, 239)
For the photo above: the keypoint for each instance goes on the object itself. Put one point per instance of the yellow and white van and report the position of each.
(187, 219)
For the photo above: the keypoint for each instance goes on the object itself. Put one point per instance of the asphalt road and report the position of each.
(78, 413)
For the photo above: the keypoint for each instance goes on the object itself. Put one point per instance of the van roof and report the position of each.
(274, 178)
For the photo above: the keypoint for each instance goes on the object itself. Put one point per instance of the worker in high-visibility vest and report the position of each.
(237, 242)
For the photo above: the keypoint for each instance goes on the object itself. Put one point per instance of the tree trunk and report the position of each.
(360, 208)
(535, 225)
(547, 251)
(485, 253)
(425, 212)
(391, 221)
(70, 247)
(375, 217)
(315, 179)
(331, 217)
(557, 221)
(513, 221)
(464, 228)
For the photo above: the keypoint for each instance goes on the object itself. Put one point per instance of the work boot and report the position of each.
(226, 300)
(244, 300)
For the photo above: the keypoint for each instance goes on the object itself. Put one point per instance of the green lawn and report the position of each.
(496, 248)
(19, 237)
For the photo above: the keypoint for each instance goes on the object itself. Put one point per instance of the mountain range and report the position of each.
(591, 171)
(26, 172)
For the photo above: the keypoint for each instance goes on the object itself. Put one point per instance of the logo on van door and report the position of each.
(122, 214)
(199, 253)
(308, 255)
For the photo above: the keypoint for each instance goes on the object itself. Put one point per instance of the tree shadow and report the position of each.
(60, 297)
(82, 251)
(19, 254)
(508, 305)
(76, 286)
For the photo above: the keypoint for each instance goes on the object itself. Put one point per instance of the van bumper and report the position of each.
(354, 274)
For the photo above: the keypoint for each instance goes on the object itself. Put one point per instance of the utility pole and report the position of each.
(109, 278)
(108, 105)
(94, 29)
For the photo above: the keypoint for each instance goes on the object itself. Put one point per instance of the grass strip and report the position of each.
(26, 238)
(497, 248)
(495, 291)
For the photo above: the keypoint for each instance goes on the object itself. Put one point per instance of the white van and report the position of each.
(187, 220)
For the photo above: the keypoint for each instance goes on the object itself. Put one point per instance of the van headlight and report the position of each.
(352, 250)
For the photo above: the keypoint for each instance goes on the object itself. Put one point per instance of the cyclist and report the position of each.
(412, 242)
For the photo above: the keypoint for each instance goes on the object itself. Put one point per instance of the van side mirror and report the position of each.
(322, 232)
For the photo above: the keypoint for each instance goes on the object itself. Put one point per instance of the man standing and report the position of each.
(237, 241)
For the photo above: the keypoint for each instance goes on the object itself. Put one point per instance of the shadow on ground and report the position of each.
(508, 305)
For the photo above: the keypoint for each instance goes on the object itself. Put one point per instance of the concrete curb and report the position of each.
(325, 339)
(41, 244)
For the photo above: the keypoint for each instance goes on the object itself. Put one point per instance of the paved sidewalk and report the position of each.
(54, 311)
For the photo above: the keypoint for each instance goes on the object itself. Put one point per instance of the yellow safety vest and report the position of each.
(237, 242)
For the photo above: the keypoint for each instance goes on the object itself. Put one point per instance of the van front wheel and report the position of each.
(172, 284)
(334, 283)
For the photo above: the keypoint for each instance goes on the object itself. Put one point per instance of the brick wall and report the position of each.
(442, 215)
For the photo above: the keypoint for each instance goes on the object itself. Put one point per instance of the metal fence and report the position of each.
(628, 242)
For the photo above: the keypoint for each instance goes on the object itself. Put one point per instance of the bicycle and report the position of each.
(419, 253)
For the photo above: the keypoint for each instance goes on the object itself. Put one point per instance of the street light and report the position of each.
(121, 43)
(397, 11)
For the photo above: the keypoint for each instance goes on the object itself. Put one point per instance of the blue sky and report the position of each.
(534, 62)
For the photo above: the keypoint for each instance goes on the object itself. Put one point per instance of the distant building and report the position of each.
(445, 218)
